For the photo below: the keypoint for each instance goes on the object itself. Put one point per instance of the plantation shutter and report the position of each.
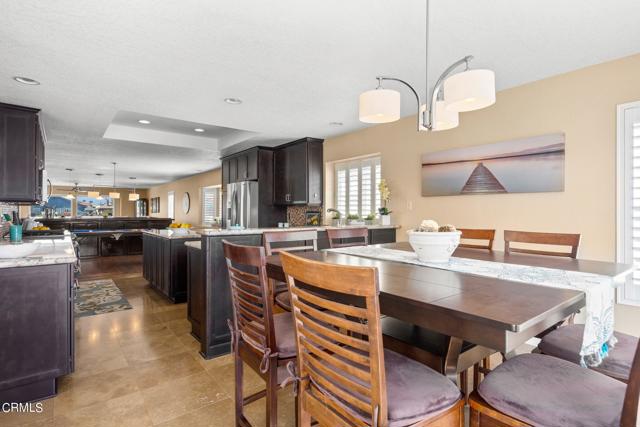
(356, 186)
(211, 205)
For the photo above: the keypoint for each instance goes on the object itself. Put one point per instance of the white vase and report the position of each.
(385, 219)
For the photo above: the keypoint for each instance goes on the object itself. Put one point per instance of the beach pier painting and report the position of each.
(527, 165)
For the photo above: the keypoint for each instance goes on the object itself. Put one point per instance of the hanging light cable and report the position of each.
(70, 194)
(114, 194)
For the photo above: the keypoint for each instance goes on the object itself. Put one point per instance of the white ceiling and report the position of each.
(297, 64)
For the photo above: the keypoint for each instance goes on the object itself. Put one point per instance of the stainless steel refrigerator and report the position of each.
(242, 204)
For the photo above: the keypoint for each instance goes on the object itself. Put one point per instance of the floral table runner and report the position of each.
(600, 290)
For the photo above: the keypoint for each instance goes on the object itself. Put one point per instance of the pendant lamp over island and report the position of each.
(114, 194)
(453, 93)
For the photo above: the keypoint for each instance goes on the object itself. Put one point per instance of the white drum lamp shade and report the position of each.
(470, 90)
(133, 197)
(114, 195)
(379, 106)
(93, 194)
(444, 119)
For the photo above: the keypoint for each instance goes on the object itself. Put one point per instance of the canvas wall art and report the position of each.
(528, 165)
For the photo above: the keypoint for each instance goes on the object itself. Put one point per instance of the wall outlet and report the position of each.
(409, 205)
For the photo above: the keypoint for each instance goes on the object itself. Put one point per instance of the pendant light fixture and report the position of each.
(114, 194)
(452, 94)
(133, 196)
(95, 194)
(70, 194)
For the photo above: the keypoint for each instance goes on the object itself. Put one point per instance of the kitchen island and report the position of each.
(36, 314)
(164, 261)
(209, 304)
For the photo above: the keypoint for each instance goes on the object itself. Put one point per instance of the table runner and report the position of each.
(599, 290)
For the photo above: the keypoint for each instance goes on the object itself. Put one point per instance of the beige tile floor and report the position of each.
(141, 367)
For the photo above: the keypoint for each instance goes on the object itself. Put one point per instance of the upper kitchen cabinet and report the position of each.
(21, 154)
(240, 167)
(298, 173)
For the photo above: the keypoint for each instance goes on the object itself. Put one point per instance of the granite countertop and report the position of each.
(170, 234)
(227, 232)
(50, 251)
(197, 244)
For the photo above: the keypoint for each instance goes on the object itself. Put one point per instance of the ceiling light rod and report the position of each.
(426, 122)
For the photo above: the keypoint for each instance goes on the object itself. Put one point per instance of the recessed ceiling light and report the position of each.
(26, 80)
(234, 101)
(199, 130)
(144, 122)
(336, 123)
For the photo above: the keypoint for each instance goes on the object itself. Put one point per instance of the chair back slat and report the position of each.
(629, 416)
(355, 236)
(487, 235)
(296, 239)
(554, 239)
(340, 356)
(252, 314)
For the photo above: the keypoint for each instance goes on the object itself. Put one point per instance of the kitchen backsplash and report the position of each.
(298, 215)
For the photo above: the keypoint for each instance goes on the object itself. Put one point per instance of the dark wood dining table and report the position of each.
(494, 313)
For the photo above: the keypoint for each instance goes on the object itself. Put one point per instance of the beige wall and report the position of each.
(193, 186)
(582, 104)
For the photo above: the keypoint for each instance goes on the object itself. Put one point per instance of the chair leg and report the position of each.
(272, 395)
(239, 392)
(464, 384)
(476, 376)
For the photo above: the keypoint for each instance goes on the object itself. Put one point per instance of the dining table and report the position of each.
(495, 313)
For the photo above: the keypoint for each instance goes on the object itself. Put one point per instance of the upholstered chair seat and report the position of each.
(565, 343)
(415, 391)
(547, 391)
(283, 300)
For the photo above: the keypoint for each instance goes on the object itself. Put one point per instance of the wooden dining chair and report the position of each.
(486, 235)
(263, 340)
(345, 376)
(554, 239)
(540, 390)
(291, 241)
(344, 237)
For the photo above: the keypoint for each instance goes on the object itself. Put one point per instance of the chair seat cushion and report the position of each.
(546, 391)
(285, 335)
(565, 343)
(283, 299)
(415, 391)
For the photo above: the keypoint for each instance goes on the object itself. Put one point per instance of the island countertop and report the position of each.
(50, 251)
(170, 234)
(196, 244)
(234, 232)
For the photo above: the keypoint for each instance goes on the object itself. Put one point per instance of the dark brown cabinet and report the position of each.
(298, 173)
(240, 167)
(165, 265)
(21, 154)
(36, 314)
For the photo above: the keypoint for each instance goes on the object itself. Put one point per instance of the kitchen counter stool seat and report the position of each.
(565, 343)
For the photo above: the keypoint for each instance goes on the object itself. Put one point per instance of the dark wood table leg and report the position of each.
(451, 359)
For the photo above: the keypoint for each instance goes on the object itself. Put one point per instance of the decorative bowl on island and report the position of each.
(433, 243)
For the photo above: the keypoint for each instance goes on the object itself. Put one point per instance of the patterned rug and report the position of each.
(99, 297)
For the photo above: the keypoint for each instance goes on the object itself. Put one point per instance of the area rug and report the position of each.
(99, 297)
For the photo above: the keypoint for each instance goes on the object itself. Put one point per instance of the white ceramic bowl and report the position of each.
(434, 246)
(20, 250)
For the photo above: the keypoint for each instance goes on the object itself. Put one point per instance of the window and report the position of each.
(211, 204)
(171, 206)
(61, 206)
(99, 206)
(356, 186)
(628, 227)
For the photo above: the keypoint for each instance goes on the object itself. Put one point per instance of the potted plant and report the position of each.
(354, 219)
(385, 196)
(336, 219)
(368, 220)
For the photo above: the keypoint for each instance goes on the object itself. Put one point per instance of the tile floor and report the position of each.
(141, 368)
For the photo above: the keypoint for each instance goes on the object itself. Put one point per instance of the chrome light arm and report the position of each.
(381, 79)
